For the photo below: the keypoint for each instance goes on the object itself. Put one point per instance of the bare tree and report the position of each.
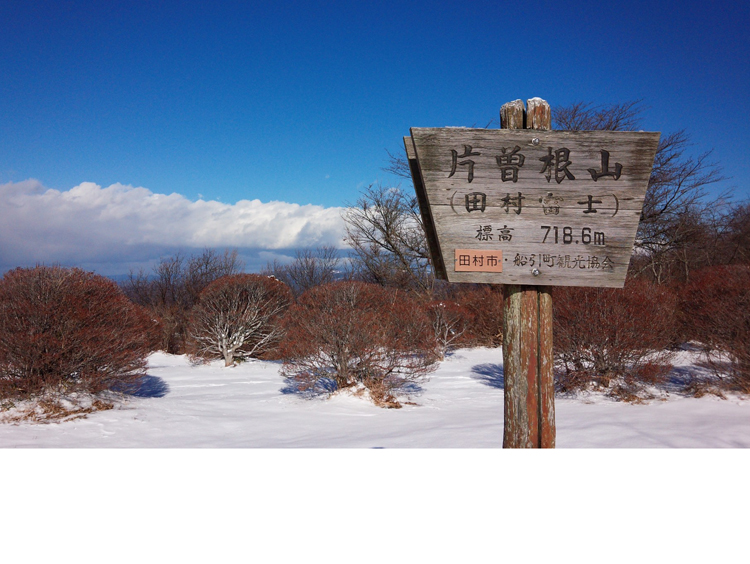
(583, 116)
(398, 165)
(238, 317)
(384, 229)
(310, 268)
(677, 190)
(173, 287)
(736, 237)
(206, 267)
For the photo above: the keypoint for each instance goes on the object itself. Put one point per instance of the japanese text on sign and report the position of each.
(555, 164)
(560, 207)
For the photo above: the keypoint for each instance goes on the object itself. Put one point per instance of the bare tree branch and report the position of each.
(677, 201)
(310, 268)
(384, 229)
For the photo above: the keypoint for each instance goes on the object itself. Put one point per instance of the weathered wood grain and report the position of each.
(539, 114)
(520, 388)
(547, 430)
(500, 179)
(529, 400)
(548, 208)
(433, 243)
(529, 404)
(513, 115)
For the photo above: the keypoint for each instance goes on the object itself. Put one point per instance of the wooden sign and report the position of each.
(534, 207)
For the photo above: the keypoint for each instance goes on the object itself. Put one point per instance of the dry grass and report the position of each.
(381, 393)
(49, 409)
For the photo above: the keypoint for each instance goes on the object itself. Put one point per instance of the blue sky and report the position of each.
(110, 108)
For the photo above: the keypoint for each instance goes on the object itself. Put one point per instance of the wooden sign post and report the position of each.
(530, 208)
(528, 362)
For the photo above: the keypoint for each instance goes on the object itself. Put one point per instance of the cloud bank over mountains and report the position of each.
(116, 228)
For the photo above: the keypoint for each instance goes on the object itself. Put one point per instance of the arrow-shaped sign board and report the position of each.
(534, 207)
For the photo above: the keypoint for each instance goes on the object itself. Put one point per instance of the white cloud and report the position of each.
(123, 224)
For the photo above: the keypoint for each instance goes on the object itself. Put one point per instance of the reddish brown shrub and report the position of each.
(715, 309)
(171, 290)
(483, 304)
(64, 330)
(615, 339)
(237, 317)
(350, 333)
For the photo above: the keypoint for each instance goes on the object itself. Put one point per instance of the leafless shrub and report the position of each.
(353, 334)
(172, 289)
(612, 339)
(66, 331)
(484, 305)
(715, 309)
(238, 317)
(450, 323)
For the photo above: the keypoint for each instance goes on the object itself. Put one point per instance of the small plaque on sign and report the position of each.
(473, 260)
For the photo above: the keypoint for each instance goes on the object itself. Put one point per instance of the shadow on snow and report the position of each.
(144, 387)
(321, 387)
(326, 386)
(681, 379)
(489, 374)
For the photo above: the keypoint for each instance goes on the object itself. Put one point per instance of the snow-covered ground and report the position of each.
(461, 405)
(336, 504)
